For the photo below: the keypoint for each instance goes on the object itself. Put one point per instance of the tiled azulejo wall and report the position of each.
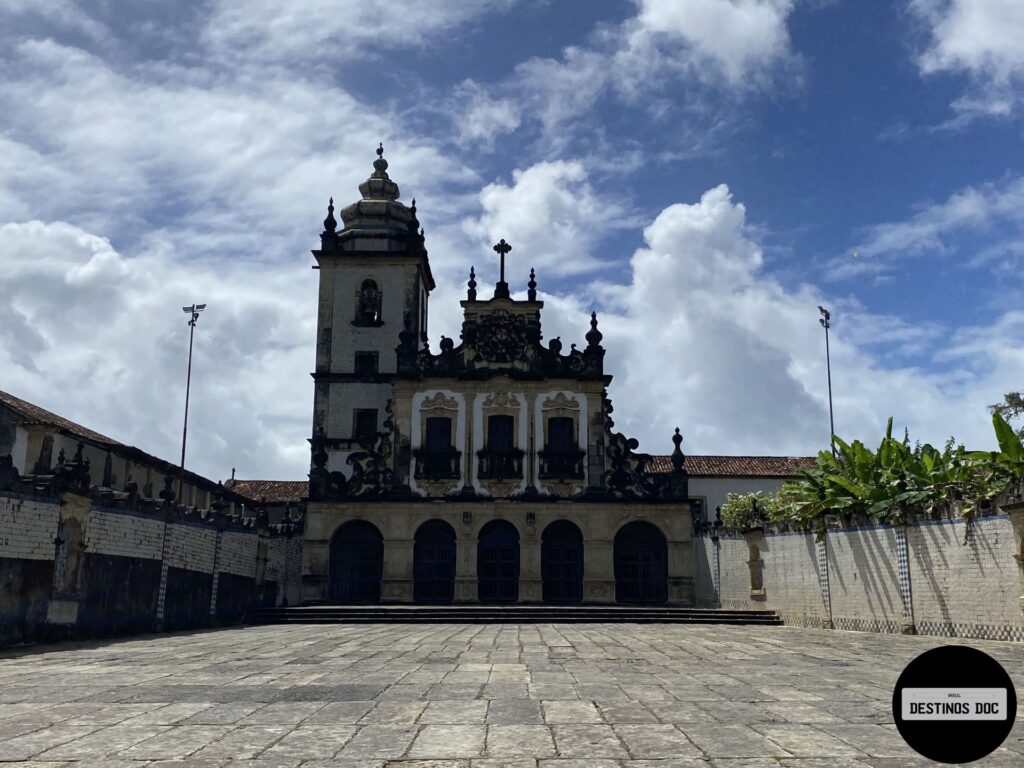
(945, 577)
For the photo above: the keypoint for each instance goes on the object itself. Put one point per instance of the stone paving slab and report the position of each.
(470, 696)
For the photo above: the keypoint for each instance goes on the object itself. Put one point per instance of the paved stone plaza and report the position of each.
(470, 696)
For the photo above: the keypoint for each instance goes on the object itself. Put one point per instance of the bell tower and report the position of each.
(375, 281)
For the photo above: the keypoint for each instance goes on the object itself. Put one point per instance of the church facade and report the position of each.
(487, 471)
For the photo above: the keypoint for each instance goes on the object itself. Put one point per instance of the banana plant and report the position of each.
(897, 479)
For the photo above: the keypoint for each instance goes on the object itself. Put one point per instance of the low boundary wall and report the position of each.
(947, 576)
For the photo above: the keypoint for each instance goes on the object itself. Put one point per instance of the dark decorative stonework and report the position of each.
(501, 343)
(372, 475)
(501, 337)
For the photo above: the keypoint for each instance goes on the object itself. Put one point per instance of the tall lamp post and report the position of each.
(193, 318)
(825, 319)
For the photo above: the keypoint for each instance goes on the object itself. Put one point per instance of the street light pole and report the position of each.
(825, 321)
(193, 313)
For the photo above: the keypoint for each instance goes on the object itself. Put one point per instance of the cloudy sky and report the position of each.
(702, 173)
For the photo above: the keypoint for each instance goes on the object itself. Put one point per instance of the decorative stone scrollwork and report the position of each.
(560, 402)
(501, 337)
(501, 400)
(626, 472)
(439, 401)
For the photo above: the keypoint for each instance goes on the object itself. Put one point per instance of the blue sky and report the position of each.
(703, 173)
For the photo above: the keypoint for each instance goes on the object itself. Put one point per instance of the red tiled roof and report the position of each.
(33, 414)
(697, 466)
(271, 490)
(737, 466)
(28, 413)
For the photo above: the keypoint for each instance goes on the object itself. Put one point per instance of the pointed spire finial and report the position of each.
(593, 336)
(678, 459)
(531, 293)
(330, 224)
(471, 293)
(380, 165)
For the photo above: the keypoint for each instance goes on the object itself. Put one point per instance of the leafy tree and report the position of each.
(1011, 407)
(897, 479)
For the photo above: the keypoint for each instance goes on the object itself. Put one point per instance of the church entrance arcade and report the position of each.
(434, 563)
(641, 564)
(356, 563)
(561, 563)
(498, 563)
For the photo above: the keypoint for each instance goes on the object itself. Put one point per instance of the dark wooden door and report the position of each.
(498, 563)
(357, 564)
(641, 565)
(434, 563)
(562, 563)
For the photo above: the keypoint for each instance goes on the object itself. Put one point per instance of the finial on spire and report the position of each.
(593, 336)
(501, 289)
(471, 293)
(531, 293)
(330, 224)
(413, 206)
(678, 459)
(380, 165)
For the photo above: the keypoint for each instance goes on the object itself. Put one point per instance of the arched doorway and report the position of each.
(497, 563)
(641, 564)
(357, 563)
(561, 563)
(433, 569)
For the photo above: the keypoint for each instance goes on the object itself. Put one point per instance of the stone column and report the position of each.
(598, 571)
(396, 584)
(465, 567)
(754, 537)
(530, 585)
(315, 556)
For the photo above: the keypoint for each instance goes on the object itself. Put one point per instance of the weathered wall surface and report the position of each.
(966, 584)
(937, 577)
(71, 568)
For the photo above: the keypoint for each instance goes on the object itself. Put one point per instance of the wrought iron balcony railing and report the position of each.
(501, 465)
(561, 464)
(437, 465)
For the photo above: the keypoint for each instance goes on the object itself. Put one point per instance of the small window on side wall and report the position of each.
(368, 304)
(366, 363)
(364, 425)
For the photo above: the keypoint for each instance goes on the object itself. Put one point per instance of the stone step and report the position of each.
(524, 614)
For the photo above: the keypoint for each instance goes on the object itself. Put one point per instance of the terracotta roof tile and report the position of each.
(737, 466)
(32, 414)
(271, 490)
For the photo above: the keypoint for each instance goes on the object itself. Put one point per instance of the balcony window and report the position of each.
(561, 457)
(437, 459)
(500, 459)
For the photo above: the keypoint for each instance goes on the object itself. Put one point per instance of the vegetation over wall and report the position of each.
(890, 483)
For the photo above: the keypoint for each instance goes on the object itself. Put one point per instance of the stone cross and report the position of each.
(502, 248)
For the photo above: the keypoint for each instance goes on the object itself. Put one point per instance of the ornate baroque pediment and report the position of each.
(501, 337)
(439, 401)
(501, 400)
(560, 402)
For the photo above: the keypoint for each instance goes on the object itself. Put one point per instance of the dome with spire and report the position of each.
(378, 213)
